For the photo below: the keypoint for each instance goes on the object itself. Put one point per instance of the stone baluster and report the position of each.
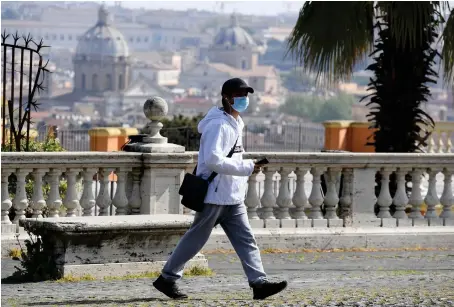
(20, 201)
(446, 197)
(316, 197)
(384, 197)
(431, 199)
(299, 197)
(416, 199)
(120, 201)
(431, 144)
(441, 145)
(449, 145)
(38, 202)
(252, 198)
(71, 200)
(268, 198)
(331, 197)
(346, 200)
(135, 202)
(103, 201)
(6, 201)
(400, 198)
(284, 201)
(88, 201)
(54, 201)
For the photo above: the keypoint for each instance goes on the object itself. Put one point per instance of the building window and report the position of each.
(138, 39)
(70, 37)
(145, 39)
(62, 37)
(46, 36)
(54, 37)
(108, 82)
(95, 82)
(83, 82)
(243, 64)
(131, 39)
(121, 82)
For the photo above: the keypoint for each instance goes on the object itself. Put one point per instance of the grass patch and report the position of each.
(15, 253)
(71, 278)
(198, 271)
(191, 272)
(405, 272)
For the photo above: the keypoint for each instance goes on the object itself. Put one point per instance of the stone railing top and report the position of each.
(105, 159)
(108, 223)
(445, 126)
(70, 159)
(358, 159)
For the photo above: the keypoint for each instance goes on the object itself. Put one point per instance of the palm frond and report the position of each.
(448, 50)
(329, 37)
(405, 18)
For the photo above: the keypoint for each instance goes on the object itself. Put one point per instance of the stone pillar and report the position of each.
(337, 135)
(159, 185)
(104, 139)
(363, 199)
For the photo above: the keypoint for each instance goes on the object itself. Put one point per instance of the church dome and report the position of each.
(234, 35)
(103, 39)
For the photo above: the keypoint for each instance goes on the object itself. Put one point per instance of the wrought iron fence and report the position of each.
(261, 138)
(70, 139)
(256, 138)
(23, 73)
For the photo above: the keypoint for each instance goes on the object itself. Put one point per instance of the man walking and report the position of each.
(221, 130)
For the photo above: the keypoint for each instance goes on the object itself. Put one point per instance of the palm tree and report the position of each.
(330, 38)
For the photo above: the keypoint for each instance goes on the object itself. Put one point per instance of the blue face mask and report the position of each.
(240, 104)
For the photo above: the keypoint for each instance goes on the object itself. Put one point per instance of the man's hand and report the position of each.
(257, 167)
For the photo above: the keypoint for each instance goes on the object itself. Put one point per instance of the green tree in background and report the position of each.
(182, 130)
(318, 109)
(298, 81)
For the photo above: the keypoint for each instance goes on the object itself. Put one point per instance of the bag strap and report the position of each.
(214, 174)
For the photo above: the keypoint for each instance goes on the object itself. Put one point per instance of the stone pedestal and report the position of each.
(152, 141)
(103, 246)
(159, 186)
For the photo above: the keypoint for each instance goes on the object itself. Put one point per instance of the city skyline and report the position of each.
(268, 8)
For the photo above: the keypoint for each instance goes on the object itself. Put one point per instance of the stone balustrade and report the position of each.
(286, 194)
(441, 138)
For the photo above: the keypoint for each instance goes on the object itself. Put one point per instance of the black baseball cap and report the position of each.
(234, 84)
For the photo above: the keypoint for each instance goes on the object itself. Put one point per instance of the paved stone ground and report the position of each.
(316, 279)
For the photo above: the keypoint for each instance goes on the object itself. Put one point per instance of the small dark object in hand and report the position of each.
(263, 161)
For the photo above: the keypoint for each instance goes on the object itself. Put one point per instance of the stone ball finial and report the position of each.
(155, 108)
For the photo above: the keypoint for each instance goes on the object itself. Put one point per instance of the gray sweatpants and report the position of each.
(234, 220)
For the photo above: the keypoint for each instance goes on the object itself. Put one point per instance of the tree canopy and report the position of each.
(319, 109)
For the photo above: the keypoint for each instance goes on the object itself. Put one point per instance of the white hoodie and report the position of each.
(219, 132)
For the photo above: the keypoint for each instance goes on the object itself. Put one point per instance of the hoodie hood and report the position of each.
(216, 113)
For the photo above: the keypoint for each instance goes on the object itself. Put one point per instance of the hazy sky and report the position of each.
(245, 7)
(262, 7)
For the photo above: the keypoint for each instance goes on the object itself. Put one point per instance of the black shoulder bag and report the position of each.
(194, 189)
